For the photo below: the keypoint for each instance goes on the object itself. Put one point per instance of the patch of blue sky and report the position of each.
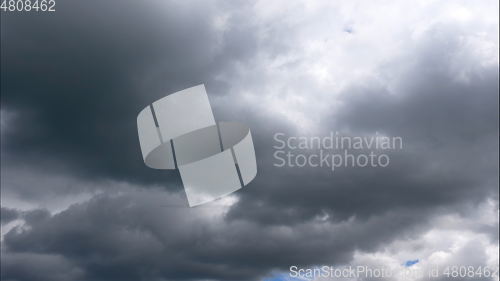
(284, 277)
(410, 263)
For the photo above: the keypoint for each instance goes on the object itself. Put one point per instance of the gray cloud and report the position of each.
(30, 266)
(9, 215)
(74, 81)
(124, 237)
(90, 78)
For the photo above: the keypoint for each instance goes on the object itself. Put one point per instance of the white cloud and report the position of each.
(454, 240)
(327, 46)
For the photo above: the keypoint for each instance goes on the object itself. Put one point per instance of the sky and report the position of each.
(78, 203)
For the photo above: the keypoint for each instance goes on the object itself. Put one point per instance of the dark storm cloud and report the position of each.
(8, 215)
(42, 267)
(449, 127)
(125, 238)
(76, 79)
(31, 216)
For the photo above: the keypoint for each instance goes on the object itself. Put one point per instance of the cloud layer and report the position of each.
(79, 204)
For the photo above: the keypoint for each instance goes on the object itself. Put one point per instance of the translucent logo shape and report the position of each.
(179, 132)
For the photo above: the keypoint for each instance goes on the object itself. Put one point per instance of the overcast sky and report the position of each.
(78, 203)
